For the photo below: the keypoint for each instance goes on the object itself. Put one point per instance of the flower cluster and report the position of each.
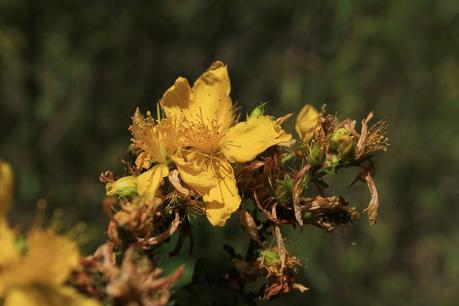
(198, 136)
(195, 157)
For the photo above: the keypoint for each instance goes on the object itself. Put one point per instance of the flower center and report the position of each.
(202, 135)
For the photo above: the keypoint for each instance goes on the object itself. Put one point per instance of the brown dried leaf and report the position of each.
(372, 209)
(267, 213)
(175, 181)
(322, 204)
(360, 148)
(279, 240)
(297, 191)
(147, 243)
(139, 282)
(167, 281)
(106, 177)
(249, 225)
(284, 118)
(299, 287)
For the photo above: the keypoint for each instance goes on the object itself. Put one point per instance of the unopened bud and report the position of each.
(258, 111)
(315, 156)
(123, 187)
(331, 162)
(284, 189)
(342, 142)
(269, 257)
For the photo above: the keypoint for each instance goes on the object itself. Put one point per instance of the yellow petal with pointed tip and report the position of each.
(192, 168)
(149, 181)
(208, 101)
(223, 199)
(246, 140)
(306, 122)
(6, 187)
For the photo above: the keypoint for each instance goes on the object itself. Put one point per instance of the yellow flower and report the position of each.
(6, 188)
(37, 277)
(306, 122)
(156, 140)
(210, 139)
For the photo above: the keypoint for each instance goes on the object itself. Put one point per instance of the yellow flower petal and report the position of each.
(214, 178)
(208, 101)
(149, 181)
(246, 140)
(9, 256)
(210, 95)
(157, 140)
(223, 199)
(306, 122)
(47, 295)
(23, 298)
(192, 168)
(8, 253)
(6, 187)
(49, 258)
(176, 100)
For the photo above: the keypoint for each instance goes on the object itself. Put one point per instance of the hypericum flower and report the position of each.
(306, 122)
(6, 186)
(210, 140)
(156, 140)
(37, 277)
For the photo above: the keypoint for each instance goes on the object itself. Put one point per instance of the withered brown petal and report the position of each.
(297, 191)
(249, 225)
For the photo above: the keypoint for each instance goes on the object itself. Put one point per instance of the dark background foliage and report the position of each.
(72, 73)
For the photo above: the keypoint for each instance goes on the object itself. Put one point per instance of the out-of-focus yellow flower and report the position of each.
(306, 122)
(157, 140)
(37, 277)
(210, 139)
(6, 188)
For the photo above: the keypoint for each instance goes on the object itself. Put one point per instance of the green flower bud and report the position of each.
(258, 111)
(315, 156)
(284, 189)
(21, 243)
(124, 187)
(342, 142)
(331, 162)
(269, 257)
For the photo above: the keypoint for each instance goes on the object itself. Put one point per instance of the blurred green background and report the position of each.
(72, 73)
